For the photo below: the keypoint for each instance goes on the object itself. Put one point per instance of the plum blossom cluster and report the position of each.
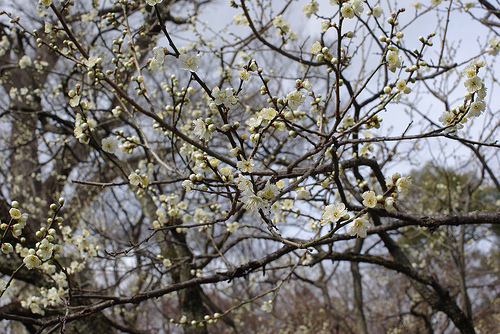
(494, 47)
(41, 256)
(397, 187)
(128, 144)
(295, 98)
(337, 212)
(49, 298)
(158, 59)
(224, 97)
(240, 19)
(283, 28)
(323, 54)
(310, 8)
(351, 8)
(207, 319)
(4, 45)
(45, 3)
(174, 207)
(394, 60)
(264, 117)
(24, 62)
(41, 259)
(474, 103)
(81, 130)
(139, 180)
(254, 201)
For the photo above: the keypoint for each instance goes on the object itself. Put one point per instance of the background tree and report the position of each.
(166, 171)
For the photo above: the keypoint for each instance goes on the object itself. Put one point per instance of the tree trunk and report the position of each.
(358, 292)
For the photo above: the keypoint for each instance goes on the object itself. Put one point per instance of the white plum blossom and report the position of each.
(316, 48)
(159, 53)
(232, 227)
(189, 63)
(153, 2)
(369, 199)
(244, 184)
(134, 179)
(227, 174)
(394, 60)
(246, 166)
(401, 85)
(225, 97)
(325, 25)
(81, 130)
(347, 10)
(470, 71)
(481, 93)
(17, 230)
(357, 5)
(45, 3)
(267, 306)
(351, 8)
(417, 5)
(404, 184)
(476, 92)
(268, 113)
(15, 213)
(301, 193)
(280, 23)
(252, 201)
(158, 58)
(377, 11)
(52, 296)
(75, 101)
(254, 122)
(389, 204)
(244, 75)
(240, 19)
(109, 144)
(365, 149)
(7, 248)
(295, 98)
(92, 61)
(310, 8)
(24, 62)
(47, 27)
(476, 108)
(494, 48)
(4, 45)
(32, 261)
(333, 213)
(359, 227)
(45, 249)
(473, 84)
(201, 129)
(307, 85)
(269, 191)
(33, 304)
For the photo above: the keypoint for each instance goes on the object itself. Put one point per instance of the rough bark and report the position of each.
(358, 292)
